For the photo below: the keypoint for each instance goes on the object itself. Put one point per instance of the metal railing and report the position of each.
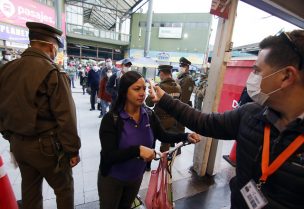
(97, 33)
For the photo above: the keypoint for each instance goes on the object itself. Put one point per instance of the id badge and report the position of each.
(253, 196)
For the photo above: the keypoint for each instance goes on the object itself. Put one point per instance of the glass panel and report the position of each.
(89, 53)
(73, 51)
(102, 54)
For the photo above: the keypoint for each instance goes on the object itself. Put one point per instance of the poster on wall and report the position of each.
(18, 12)
(220, 8)
(13, 33)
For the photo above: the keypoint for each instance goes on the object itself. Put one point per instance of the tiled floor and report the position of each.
(85, 174)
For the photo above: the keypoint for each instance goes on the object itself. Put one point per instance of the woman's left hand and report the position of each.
(194, 138)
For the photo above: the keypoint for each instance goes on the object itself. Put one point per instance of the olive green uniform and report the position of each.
(168, 122)
(38, 117)
(187, 86)
(200, 92)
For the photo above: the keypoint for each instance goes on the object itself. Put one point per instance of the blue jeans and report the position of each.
(104, 105)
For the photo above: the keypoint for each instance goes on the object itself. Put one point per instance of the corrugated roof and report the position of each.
(103, 14)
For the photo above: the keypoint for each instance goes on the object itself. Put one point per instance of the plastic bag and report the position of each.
(157, 197)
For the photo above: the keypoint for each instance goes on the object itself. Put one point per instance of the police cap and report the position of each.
(6, 52)
(165, 68)
(43, 32)
(183, 61)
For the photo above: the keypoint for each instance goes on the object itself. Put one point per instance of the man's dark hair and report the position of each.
(285, 49)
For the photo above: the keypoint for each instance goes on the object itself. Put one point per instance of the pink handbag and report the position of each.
(157, 197)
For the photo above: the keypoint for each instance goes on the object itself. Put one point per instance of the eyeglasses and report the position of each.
(294, 47)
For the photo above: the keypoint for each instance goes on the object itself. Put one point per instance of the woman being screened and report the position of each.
(127, 134)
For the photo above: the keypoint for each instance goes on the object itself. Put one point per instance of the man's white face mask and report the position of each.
(95, 68)
(126, 69)
(254, 87)
(109, 64)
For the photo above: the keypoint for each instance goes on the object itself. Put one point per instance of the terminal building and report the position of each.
(172, 36)
(102, 29)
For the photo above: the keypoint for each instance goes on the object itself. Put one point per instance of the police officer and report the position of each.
(38, 117)
(172, 88)
(200, 92)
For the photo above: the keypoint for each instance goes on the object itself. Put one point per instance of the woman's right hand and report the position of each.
(146, 153)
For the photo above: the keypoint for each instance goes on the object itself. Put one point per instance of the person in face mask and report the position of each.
(6, 57)
(94, 76)
(105, 98)
(108, 66)
(268, 131)
(112, 85)
(184, 79)
(38, 117)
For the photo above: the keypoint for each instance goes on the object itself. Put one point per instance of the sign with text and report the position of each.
(18, 12)
(220, 8)
(170, 32)
(13, 33)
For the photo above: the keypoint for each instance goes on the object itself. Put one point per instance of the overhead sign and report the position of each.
(220, 8)
(13, 33)
(163, 56)
(170, 32)
(18, 12)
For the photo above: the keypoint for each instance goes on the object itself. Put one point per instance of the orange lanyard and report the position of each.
(267, 169)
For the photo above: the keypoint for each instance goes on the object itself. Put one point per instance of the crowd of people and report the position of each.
(38, 118)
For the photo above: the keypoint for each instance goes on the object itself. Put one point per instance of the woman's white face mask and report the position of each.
(254, 87)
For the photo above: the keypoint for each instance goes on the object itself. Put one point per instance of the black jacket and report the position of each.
(112, 85)
(109, 134)
(284, 189)
(94, 78)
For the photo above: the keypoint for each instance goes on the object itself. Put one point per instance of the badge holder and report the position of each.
(253, 195)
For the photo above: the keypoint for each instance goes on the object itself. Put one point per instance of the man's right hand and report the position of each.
(156, 93)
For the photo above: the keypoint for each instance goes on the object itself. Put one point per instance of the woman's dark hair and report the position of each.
(125, 82)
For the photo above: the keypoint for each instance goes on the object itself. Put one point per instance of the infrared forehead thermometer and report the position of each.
(152, 86)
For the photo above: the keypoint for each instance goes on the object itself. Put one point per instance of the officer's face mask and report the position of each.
(55, 49)
(254, 87)
(182, 69)
(8, 57)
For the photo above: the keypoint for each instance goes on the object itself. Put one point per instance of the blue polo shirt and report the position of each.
(133, 134)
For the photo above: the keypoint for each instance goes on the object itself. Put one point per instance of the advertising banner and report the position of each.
(220, 8)
(13, 33)
(169, 32)
(18, 12)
